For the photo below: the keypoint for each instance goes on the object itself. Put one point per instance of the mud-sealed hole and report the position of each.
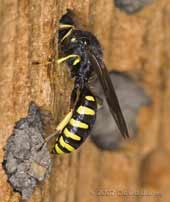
(132, 97)
(27, 160)
(132, 6)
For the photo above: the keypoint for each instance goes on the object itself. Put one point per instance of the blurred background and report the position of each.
(135, 36)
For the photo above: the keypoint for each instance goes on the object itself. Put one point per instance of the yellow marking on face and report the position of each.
(73, 39)
(66, 35)
(65, 145)
(63, 59)
(65, 26)
(64, 122)
(58, 150)
(89, 98)
(85, 110)
(78, 124)
(71, 135)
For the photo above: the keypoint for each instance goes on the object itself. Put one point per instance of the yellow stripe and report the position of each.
(66, 35)
(85, 110)
(64, 26)
(58, 150)
(89, 98)
(65, 145)
(71, 135)
(78, 124)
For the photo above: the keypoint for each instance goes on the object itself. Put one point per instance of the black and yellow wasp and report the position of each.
(83, 54)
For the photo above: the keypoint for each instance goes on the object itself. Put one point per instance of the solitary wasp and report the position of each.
(83, 54)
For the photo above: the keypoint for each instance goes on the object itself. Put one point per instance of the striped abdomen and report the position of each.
(80, 124)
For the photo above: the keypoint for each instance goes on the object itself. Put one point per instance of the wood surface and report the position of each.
(137, 43)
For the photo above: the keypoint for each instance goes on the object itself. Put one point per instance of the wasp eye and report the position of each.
(73, 39)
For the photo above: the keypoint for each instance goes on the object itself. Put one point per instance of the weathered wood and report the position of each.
(139, 44)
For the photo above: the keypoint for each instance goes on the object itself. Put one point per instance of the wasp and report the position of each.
(83, 54)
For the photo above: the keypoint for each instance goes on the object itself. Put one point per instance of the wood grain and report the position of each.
(139, 44)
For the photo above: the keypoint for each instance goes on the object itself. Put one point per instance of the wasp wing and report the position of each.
(112, 100)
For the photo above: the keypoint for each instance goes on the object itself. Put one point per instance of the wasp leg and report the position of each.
(63, 59)
(60, 126)
(65, 121)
